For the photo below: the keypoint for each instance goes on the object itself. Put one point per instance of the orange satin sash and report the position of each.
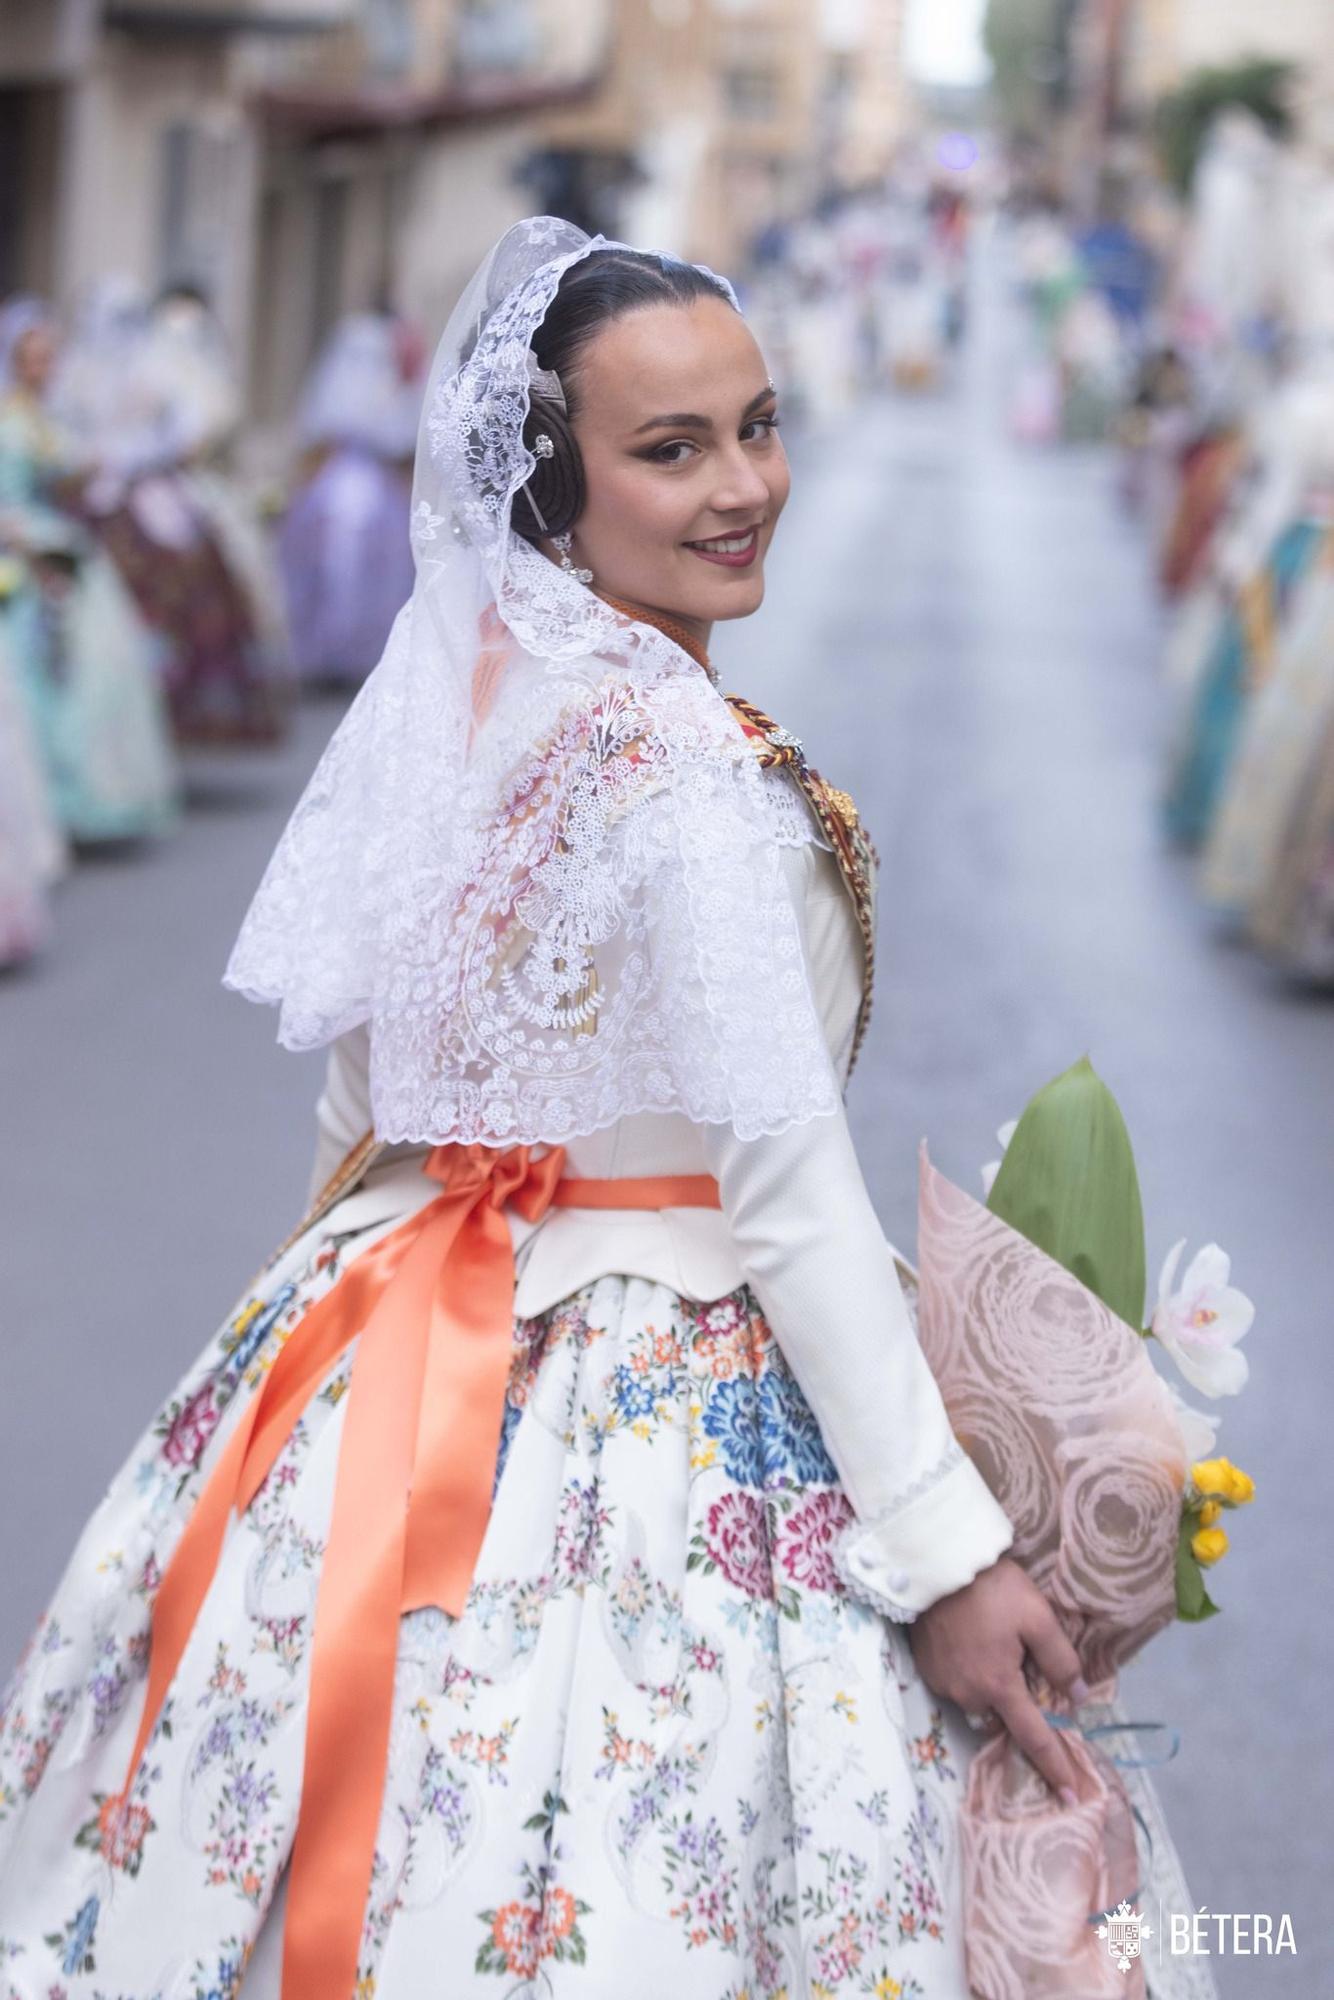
(433, 1304)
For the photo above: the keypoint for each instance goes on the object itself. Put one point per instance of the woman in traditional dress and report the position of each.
(156, 390)
(608, 1597)
(87, 665)
(1281, 737)
(1268, 835)
(1291, 916)
(1237, 633)
(187, 358)
(1263, 558)
(344, 546)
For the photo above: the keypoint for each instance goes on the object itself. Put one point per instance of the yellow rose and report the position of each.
(1220, 1475)
(1209, 1513)
(1242, 1487)
(1208, 1545)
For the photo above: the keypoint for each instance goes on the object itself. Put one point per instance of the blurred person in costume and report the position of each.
(1267, 863)
(344, 549)
(1266, 548)
(1291, 914)
(156, 386)
(32, 850)
(187, 355)
(599, 1531)
(915, 293)
(86, 663)
(1222, 299)
(1266, 827)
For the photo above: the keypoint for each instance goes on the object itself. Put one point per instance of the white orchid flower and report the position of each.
(989, 1172)
(1200, 1323)
(1199, 1430)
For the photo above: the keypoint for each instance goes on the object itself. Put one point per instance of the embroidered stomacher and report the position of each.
(839, 820)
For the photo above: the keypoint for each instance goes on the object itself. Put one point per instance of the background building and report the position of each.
(299, 158)
(295, 159)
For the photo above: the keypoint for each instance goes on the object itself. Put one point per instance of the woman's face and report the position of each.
(676, 424)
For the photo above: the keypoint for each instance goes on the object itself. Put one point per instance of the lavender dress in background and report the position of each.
(343, 547)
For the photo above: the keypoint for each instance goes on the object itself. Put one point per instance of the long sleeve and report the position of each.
(811, 1246)
(343, 1112)
(814, 1254)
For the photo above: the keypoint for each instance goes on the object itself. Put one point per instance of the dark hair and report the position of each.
(600, 288)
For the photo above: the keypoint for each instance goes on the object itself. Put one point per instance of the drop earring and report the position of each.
(562, 542)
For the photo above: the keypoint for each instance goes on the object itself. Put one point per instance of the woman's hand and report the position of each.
(970, 1647)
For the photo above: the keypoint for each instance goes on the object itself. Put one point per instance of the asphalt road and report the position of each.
(965, 637)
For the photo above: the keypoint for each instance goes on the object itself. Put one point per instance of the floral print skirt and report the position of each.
(661, 1750)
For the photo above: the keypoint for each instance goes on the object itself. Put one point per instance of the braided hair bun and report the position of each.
(552, 498)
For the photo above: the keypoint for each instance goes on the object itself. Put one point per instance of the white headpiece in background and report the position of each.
(539, 855)
(359, 393)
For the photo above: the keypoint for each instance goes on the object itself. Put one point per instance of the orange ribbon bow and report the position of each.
(433, 1304)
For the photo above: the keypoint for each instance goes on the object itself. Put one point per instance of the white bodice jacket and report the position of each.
(797, 1224)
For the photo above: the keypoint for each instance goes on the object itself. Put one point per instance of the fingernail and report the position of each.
(1068, 1795)
(1080, 1689)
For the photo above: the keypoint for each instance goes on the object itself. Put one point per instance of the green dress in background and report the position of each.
(85, 661)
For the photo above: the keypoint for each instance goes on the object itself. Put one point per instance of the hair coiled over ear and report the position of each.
(552, 498)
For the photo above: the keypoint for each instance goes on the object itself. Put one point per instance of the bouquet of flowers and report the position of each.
(1030, 1311)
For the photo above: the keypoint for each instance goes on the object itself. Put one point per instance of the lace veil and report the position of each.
(538, 855)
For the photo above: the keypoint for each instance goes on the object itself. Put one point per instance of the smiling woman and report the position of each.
(558, 1573)
(666, 449)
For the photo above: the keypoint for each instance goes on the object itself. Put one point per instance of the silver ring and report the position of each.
(982, 1721)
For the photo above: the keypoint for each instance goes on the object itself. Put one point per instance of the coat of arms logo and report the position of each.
(1123, 1929)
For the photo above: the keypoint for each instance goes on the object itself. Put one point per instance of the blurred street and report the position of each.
(965, 635)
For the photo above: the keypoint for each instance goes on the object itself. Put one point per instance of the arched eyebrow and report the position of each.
(686, 420)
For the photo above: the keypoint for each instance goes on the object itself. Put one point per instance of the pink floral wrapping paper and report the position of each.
(1061, 1409)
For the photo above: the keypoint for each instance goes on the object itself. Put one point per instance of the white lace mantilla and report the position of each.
(539, 856)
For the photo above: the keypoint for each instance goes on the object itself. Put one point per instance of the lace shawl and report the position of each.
(538, 855)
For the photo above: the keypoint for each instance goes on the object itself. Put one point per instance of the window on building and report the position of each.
(30, 136)
(496, 35)
(388, 28)
(330, 250)
(199, 168)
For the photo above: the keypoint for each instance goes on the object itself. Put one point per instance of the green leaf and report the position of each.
(1190, 1582)
(1068, 1183)
(1193, 1601)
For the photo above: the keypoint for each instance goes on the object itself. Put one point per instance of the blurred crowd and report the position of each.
(868, 290)
(1211, 367)
(150, 604)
